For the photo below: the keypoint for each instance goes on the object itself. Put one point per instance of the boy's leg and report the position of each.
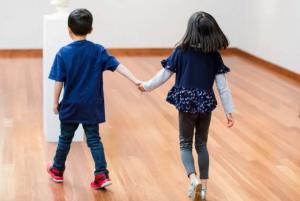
(64, 143)
(202, 127)
(94, 142)
(186, 134)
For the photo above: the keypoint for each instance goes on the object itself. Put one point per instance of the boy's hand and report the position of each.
(230, 120)
(138, 82)
(55, 108)
(141, 87)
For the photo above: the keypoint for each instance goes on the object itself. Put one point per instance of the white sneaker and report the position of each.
(194, 190)
(190, 191)
(203, 193)
(196, 194)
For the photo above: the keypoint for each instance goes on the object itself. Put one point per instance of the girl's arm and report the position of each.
(226, 98)
(160, 78)
(57, 90)
(127, 73)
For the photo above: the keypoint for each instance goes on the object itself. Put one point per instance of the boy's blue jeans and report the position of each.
(93, 140)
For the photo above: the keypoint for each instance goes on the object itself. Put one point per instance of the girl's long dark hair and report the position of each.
(203, 33)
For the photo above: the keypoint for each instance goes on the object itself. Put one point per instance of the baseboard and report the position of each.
(264, 64)
(140, 51)
(15, 53)
(113, 51)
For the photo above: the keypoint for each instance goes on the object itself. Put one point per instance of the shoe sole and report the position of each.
(106, 184)
(57, 181)
(197, 193)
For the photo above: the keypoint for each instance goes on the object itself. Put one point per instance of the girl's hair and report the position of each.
(203, 33)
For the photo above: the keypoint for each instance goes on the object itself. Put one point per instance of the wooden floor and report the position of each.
(257, 160)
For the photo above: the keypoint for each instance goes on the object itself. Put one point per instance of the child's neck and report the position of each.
(78, 38)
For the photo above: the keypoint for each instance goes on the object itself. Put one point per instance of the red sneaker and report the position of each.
(101, 181)
(55, 174)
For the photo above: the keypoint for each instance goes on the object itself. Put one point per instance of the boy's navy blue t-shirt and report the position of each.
(80, 66)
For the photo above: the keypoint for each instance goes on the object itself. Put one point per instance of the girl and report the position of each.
(196, 63)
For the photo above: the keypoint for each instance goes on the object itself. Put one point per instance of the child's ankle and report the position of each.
(204, 183)
(193, 178)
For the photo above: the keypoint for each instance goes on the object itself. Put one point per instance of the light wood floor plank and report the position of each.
(257, 160)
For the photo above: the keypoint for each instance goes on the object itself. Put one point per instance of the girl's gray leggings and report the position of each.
(190, 125)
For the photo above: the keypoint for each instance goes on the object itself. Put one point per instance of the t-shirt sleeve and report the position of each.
(171, 63)
(58, 71)
(220, 67)
(108, 61)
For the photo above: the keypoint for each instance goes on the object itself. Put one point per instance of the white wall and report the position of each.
(118, 23)
(270, 30)
(155, 23)
(21, 23)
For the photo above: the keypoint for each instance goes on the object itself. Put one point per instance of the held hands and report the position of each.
(141, 88)
(230, 120)
(137, 82)
(139, 85)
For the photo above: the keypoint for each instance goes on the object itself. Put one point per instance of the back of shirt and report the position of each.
(195, 74)
(80, 66)
(195, 69)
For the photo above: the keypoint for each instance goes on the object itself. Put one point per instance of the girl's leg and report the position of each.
(186, 134)
(202, 127)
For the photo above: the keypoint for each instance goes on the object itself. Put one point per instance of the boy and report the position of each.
(79, 67)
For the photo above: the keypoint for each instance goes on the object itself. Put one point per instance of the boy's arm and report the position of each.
(226, 98)
(123, 70)
(57, 90)
(160, 78)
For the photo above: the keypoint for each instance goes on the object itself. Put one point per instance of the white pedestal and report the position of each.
(55, 36)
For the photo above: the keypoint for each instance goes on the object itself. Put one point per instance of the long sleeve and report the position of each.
(224, 93)
(160, 78)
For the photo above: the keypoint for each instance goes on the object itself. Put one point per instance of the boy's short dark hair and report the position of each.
(80, 22)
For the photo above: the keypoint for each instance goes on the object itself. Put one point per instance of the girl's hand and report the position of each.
(230, 120)
(55, 108)
(141, 87)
